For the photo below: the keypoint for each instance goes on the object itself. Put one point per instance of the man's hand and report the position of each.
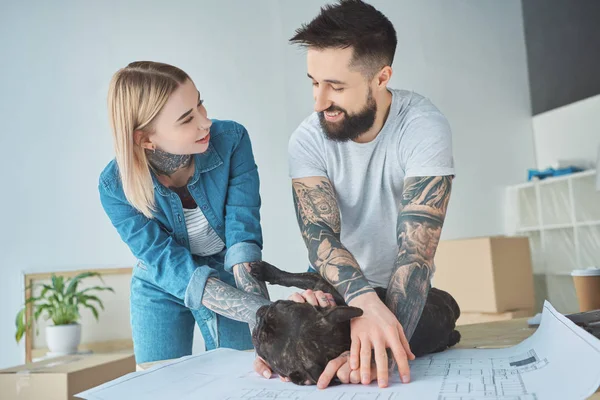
(377, 329)
(317, 299)
(340, 367)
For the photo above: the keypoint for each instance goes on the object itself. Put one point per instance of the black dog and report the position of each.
(297, 340)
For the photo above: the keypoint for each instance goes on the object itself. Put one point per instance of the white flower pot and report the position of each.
(63, 339)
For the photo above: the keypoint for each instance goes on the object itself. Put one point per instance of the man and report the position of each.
(371, 173)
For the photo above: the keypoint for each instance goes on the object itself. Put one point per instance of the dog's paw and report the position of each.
(454, 338)
(263, 271)
(258, 270)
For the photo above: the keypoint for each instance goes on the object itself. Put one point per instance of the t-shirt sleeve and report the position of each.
(425, 148)
(305, 155)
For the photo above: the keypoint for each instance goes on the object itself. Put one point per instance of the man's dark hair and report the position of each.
(356, 24)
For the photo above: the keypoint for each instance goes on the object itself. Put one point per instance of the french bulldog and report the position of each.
(297, 340)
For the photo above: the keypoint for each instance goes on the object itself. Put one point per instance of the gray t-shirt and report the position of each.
(368, 178)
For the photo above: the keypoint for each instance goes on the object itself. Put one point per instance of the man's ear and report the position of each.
(382, 78)
(141, 139)
(339, 314)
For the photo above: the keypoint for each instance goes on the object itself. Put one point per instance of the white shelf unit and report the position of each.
(561, 217)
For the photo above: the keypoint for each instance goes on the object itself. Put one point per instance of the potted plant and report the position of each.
(61, 301)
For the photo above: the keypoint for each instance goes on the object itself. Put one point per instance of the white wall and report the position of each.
(56, 137)
(571, 132)
(467, 56)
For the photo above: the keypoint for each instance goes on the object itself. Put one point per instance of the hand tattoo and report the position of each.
(232, 303)
(319, 220)
(164, 163)
(420, 220)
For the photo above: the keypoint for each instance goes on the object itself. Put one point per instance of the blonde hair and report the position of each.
(136, 95)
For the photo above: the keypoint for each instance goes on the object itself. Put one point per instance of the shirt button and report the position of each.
(204, 207)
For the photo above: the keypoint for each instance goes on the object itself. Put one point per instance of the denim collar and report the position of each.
(203, 162)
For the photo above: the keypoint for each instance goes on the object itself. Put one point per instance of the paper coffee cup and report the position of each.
(587, 287)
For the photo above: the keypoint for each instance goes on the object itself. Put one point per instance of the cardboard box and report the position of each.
(487, 274)
(62, 377)
(468, 318)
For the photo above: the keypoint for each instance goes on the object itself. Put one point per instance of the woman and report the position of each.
(183, 194)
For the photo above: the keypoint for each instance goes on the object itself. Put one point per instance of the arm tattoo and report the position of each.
(232, 303)
(246, 282)
(164, 163)
(420, 220)
(319, 220)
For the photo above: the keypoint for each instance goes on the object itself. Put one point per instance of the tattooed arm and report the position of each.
(246, 282)
(319, 220)
(419, 226)
(231, 302)
(249, 284)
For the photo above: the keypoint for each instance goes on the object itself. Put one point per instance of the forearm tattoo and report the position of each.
(232, 303)
(319, 220)
(164, 163)
(424, 203)
(246, 282)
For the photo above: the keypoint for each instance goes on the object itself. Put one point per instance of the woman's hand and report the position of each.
(315, 298)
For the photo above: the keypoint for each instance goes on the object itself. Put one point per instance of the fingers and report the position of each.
(310, 297)
(323, 299)
(314, 298)
(331, 369)
(297, 298)
(355, 376)
(374, 371)
(330, 299)
(261, 367)
(402, 361)
(405, 344)
(381, 361)
(344, 373)
(354, 353)
(365, 361)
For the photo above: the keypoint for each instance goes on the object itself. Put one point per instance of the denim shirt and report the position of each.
(225, 186)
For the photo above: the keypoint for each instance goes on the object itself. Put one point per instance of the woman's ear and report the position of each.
(141, 139)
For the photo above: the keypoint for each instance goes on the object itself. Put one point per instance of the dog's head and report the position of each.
(298, 339)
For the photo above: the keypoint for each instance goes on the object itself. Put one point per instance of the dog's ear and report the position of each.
(339, 314)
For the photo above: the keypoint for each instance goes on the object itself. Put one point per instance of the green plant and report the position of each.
(60, 301)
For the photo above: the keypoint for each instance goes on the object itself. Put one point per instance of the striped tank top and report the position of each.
(204, 241)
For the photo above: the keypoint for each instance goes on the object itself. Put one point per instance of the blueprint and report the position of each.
(559, 361)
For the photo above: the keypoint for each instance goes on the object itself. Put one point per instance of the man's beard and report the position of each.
(350, 126)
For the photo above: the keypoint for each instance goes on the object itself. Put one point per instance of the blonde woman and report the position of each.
(183, 194)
